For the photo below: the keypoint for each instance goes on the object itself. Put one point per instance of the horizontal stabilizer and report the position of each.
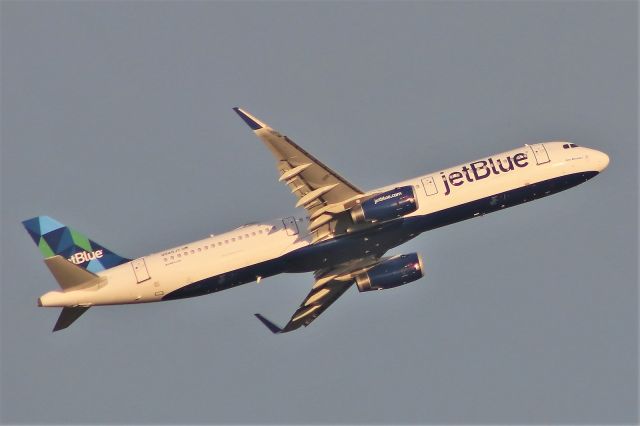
(271, 326)
(68, 316)
(67, 274)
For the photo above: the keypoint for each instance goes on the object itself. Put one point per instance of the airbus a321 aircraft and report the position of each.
(342, 239)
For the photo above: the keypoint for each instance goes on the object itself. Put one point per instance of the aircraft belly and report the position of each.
(495, 202)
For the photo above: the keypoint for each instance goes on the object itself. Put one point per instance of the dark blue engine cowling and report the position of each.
(393, 272)
(386, 206)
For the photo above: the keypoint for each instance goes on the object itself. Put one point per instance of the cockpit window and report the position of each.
(573, 145)
(569, 145)
(565, 146)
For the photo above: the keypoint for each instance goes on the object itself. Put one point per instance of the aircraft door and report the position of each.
(140, 269)
(540, 152)
(429, 185)
(290, 225)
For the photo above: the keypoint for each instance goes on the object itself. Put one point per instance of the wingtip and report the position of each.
(251, 121)
(271, 326)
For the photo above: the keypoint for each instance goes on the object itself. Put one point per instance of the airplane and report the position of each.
(342, 239)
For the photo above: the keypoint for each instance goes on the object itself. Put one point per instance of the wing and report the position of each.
(329, 285)
(316, 302)
(318, 188)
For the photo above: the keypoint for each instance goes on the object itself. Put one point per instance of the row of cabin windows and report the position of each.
(213, 245)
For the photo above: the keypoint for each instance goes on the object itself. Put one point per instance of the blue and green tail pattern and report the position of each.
(54, 238)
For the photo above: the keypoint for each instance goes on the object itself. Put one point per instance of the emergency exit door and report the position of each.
(290, 225)
(429, 185)
(140, 269)
(540, 152)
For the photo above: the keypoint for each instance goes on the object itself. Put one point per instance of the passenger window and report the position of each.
(179, 255)
(186, 253)
(171, 257)
(253, 233)
(219, 243)
(207, 247)
(193, 251)
(240, 237)
(226, 241)
(199, 249)
(233, 240)
(246, 235)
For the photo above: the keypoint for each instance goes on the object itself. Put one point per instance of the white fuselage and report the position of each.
(248, 253)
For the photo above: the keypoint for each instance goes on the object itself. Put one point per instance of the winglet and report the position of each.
(251, 121)
(271, 326)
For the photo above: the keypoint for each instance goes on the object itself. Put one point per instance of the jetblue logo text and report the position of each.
(82, 257)
(482, 169)
(386, 197)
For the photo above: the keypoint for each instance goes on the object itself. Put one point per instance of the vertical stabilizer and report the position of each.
(53, 238)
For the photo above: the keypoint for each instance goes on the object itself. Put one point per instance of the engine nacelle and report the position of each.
(386, 206)
(393, 272)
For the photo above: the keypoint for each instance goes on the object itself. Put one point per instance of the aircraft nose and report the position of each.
(600, 159)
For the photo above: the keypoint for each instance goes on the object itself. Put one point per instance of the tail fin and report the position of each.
(54, 238)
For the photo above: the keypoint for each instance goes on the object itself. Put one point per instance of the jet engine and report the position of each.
(393, 272)
(386, 206)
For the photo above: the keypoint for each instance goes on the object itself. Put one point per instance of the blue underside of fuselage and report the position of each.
(376, 240)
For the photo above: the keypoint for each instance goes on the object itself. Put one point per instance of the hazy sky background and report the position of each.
(117, 120)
